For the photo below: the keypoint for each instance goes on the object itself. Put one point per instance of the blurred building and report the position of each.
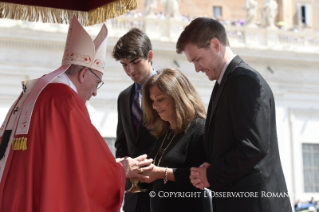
(288, 60)
(294, 13)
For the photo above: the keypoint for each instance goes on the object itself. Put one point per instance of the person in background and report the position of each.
(312, 209)
(175, 115)
(134, 51)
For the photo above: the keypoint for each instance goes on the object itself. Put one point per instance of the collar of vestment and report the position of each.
(63, 78)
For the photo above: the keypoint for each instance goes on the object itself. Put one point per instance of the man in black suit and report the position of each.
(243, 169)
(134, 51)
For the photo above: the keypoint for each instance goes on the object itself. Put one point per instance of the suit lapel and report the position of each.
(128, 110)
(208, 117)
(211, 109)
(140, 130)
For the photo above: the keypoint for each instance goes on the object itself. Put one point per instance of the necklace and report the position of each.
(161, 151)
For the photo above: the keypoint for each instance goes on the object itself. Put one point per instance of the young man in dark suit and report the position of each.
(243, 169)
(134, 51)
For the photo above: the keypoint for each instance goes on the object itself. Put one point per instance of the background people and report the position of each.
(175, 115)
(240, 135)
(134, 51)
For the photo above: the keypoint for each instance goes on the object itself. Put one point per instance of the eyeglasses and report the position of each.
(100, 83)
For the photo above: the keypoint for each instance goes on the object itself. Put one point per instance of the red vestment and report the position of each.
(67, 166)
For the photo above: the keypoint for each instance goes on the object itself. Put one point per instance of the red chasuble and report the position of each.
(67, 166)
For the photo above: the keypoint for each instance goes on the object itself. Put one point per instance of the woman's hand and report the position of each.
(153, 174)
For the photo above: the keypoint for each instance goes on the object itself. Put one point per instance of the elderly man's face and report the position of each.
(89, 86)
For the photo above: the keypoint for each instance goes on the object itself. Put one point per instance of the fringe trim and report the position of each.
(19, 143)
(61, 16)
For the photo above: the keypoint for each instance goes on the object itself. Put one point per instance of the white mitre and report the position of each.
(80, 49)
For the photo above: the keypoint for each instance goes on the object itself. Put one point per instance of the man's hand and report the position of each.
(198, 176)
(135, 166)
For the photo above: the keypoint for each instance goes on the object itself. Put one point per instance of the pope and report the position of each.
(52, 158)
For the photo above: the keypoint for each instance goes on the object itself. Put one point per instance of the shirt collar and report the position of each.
(67, 81)
(224, 69)
(141, 86)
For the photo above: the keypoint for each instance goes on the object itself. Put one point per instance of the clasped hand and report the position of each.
(133, 166)
(198, 176)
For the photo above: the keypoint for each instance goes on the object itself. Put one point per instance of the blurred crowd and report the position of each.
(311, 206)
(235, 22)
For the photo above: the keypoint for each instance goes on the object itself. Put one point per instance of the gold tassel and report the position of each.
(16, 144)
(62, 16)
(19, 143)
(25, 144)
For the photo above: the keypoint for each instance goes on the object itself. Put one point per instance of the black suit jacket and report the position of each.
(131, 143)
(241, 143)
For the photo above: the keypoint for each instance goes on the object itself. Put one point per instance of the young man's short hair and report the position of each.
(199, 32)
(132, 45)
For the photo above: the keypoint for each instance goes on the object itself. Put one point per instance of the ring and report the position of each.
(141, 171)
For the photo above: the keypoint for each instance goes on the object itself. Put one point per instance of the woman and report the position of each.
(175, 115)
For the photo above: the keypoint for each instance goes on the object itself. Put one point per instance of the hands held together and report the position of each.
(198, 176)
(134, 167)
(143, 169)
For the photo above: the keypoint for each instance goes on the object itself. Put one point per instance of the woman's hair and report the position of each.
(187, 102)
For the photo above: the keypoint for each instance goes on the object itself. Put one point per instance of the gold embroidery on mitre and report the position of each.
(19, 143)
(99, 63)
(74, 56)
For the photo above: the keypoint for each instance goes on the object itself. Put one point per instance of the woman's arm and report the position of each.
(159, 173)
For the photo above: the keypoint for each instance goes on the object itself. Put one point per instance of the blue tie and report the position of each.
(136, 108)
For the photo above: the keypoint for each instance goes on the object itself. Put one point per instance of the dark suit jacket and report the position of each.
(131, 143)
(241, 143)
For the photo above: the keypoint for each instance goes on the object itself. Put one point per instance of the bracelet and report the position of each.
(165, 178)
